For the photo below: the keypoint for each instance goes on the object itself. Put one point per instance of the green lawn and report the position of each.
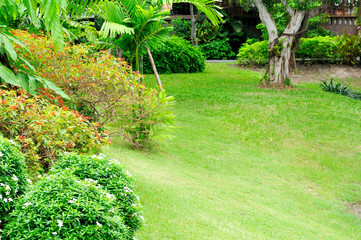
(250, 163)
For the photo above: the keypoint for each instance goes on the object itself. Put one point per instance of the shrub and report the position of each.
(253, 53)
(43, 130)
(217, 49)
(349, 48)
(317, 47)
(110, 175)
(12, 176)
(182, 28)
(60, 206)
(339, 88)
(101, 87)
(176, 56)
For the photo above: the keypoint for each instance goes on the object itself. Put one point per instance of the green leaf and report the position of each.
(9, 76)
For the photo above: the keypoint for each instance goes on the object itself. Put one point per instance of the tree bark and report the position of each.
(154, 69)
(194, 27)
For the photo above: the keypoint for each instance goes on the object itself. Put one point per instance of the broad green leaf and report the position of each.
(9, 76)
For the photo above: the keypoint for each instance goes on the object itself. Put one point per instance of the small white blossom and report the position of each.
(14, 178)
(10, 199)
(99, 225)
(7, 193)
(29, 181)
(1, 196)
(110, 196)
(134, 205)
(126, 189)
(1, 184)
(90, 180)
(73, 200)
(27, 204)
(1, 154)
(54, 233)
(7, 187)
(60, 223)
(11, 141)
(142, 218)
(5, 200)
(128, 173)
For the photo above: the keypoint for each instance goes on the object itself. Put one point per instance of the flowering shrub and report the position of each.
(43, 130)
(12, 176)
(110, 175)
(101, 87)
(61, 206)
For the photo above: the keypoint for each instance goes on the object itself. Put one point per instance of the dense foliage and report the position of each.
(12, 176)
(112, 177)
(343, 49)
(61, 206)
(176, 56)
(217, 49)
(45, 130)
(103, 88)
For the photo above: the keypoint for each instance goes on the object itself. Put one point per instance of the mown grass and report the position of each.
(251, 163)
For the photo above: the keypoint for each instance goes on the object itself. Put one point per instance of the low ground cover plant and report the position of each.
(12, 177)
(61, 206)
(103, 88)
(44, 130)
(112, 177)
(339, 88)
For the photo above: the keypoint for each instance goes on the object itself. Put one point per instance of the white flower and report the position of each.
(5, 200)
(7, 187)
(126, 189)
(90, 180)
(11, 141)
(134, 205)
(29, 181)
(14, 178)
(128, 173)
(99, 225)
(54, 233)
(10, 199)
(1, 154)
(27, 204)
(7, 193)
(60, 223)
(73, 200)
(1, 196)
(1, 184)
(142, 218)
(110, 196)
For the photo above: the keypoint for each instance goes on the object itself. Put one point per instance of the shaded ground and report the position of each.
(355, 209)
(320, 72)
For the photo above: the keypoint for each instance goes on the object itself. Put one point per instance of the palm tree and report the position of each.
(136, 25)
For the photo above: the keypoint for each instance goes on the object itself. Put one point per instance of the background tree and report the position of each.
(281, 43)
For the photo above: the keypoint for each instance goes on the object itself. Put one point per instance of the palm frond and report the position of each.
(111, 29)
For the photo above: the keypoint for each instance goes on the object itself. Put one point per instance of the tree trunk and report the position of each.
(278, 70)
(194, 29)
(154, 68)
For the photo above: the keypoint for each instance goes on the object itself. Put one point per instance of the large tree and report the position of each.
(281, 44)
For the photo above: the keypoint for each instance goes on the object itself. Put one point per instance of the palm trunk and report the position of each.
(154, 69)
(194, 29)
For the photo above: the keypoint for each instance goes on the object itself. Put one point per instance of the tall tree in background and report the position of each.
(281, 44)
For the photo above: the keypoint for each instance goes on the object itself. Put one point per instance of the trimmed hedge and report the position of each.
(61, 206)
(112, 177)
(343, 49)
(176, 56)
(12, 176)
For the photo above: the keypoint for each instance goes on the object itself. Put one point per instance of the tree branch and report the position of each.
(267, 20)
(317, 11)
(288, 8)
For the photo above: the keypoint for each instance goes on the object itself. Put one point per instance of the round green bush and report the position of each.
(112, 177)
(253, 53)
(217, 49)
(176, 56)
(61, 206)
(12, 176)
